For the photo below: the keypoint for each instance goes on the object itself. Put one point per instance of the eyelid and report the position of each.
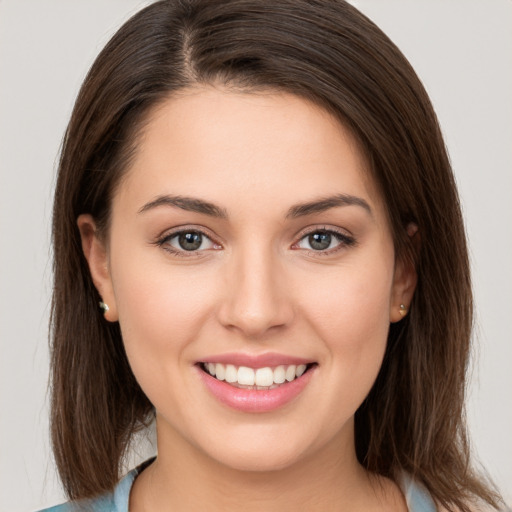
(308, 230)
(187, 227)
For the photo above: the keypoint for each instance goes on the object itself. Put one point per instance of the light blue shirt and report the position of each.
(417, 497)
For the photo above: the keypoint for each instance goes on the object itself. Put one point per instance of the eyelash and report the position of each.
(164, 240)
(343, 239)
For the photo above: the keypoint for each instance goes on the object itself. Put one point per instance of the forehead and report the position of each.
(230, 144)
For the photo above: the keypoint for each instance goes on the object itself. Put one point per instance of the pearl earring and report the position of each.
(103, 306)
(403, 310)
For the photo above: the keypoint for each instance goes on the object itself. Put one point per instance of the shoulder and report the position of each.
(104, 503)
(417, 497)
(420, 500)
(115, 501)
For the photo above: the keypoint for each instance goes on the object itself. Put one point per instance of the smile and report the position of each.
(253, 387)
(264, 378)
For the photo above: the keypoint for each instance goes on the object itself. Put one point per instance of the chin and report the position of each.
(261, 448)
(256, 461)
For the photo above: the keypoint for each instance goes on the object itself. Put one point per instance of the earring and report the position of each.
(403, 310)
(103, 306)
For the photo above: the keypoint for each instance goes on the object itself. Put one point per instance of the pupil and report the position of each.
(320, 241)
(190, 241)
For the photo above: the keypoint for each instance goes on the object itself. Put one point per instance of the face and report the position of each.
(251, 268)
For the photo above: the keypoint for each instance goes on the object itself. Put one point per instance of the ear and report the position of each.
(96, 254)
(404, 280)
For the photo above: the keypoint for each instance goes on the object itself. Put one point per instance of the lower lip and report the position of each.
(253, 400)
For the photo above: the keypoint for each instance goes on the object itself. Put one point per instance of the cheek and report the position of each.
(352, 297)
(161, 308)
(350, 311)
(161, 312)
(351, 317)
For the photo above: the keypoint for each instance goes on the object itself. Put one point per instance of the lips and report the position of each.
(255, 383)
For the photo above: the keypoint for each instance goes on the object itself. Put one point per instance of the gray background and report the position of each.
(462, 50)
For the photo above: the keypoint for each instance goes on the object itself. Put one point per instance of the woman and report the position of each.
(258, 241)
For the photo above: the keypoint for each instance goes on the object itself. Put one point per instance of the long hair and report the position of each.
(326, 52)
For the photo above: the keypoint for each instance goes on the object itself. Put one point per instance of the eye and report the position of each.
(323, 240)
(187, 241)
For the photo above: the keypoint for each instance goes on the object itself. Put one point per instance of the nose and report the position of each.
(257, 298)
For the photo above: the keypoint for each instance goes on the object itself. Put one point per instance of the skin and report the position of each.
(256, 287)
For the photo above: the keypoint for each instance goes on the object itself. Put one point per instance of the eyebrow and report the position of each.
(326, 203)
(190, 204)
(193, 204)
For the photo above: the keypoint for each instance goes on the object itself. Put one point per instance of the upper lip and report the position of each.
(255, 360)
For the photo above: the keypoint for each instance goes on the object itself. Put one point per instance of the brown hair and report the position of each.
(329, 53)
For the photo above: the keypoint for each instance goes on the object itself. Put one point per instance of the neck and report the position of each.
(184, 478)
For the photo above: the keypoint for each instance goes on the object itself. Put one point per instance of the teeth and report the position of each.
(300, 370)
(220, 371)
(231, 373)
(260, 378)
(290, 373)
(279, 375)
(264, 377)
(246, 376)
